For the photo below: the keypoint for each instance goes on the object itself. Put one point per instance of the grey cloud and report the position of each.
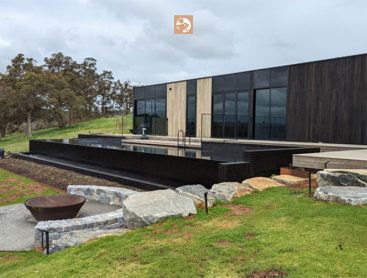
(135, 39)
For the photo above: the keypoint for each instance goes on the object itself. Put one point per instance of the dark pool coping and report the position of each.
(125, 178)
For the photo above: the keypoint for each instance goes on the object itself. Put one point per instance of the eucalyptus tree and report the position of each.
(16, 71)
(88, 85)
(104, 94)
(30, 95)
(6, 105)
(62, 101)
(123, 95)
(27, 81)
(60, 90)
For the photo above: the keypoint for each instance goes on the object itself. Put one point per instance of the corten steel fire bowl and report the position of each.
(55, 207)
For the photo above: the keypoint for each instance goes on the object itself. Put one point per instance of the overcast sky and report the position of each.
(135, 39)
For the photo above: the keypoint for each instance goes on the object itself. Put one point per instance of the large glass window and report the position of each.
(230, 115)
(160, 107)
(242, 113)
(262, 111)
(149, 107)
(278, 111)
(262, 78)
(152, 114)
(191, 115)
(217, 117)
(140, 107)
(270, 113)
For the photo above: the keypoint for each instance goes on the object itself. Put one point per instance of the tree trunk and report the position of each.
(69, 118)
(2, 131)
(29, 123)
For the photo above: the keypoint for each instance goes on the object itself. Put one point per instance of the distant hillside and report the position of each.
(18, 142)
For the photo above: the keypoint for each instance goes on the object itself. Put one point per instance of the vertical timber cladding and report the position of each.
(327, 101)
(176, 107)
(204, 107)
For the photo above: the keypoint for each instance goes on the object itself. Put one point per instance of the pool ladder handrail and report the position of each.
(181, 131)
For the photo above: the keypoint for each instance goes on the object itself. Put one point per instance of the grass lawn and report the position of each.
(18, 142)
(16, 189)
(280, 229)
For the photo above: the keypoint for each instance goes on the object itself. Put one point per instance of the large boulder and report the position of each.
(227, 191)
(102, 194)
(196, 193)
(145, 208)
(261, 183)
(337, 177)
(291, 181)
(352, 195)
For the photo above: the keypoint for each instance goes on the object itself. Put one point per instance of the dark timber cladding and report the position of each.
(320, 101)
(328, 100)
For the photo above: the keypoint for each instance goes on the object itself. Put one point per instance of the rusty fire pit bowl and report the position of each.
(55, 207)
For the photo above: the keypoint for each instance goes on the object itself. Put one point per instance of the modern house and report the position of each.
(301, 105)
(320, 101)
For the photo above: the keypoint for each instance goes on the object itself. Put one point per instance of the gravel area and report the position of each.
(53, 176)
(17, 224)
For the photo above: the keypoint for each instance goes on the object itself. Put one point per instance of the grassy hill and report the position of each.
(279, 230)
(18, 142)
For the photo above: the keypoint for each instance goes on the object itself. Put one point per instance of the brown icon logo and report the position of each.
(183, 24)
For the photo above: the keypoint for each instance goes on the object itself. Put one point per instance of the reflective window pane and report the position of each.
(242, 103)
(262, 107)
(160, 91)
(278, 101)
(140, 107)
(160, 107)
(243, 81)
(271, 109)
(230, 122)
(218, 104)
(149, 107)
(278, 113)
(242, 114)
(217, 117)
(278, 127)
(262, 127)
(139, 93)
(262, 114)
(230, 115)
(230, 104)
(262, 79)
(279, 77)
(191, 115)
(217, 125)
(242, 126)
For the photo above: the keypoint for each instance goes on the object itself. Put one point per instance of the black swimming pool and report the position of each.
(208, 152)
(214, 162)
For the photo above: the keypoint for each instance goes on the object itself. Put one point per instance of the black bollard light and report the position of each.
(206, 202)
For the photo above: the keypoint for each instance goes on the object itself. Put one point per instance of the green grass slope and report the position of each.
(18, 142)
(278, 229)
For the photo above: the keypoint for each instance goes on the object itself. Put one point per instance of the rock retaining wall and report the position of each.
(71, 232)
(103, 194)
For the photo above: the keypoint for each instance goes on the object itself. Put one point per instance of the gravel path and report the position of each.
(17, 224)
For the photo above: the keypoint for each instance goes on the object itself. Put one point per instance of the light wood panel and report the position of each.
(204, 107)
(176, 107)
